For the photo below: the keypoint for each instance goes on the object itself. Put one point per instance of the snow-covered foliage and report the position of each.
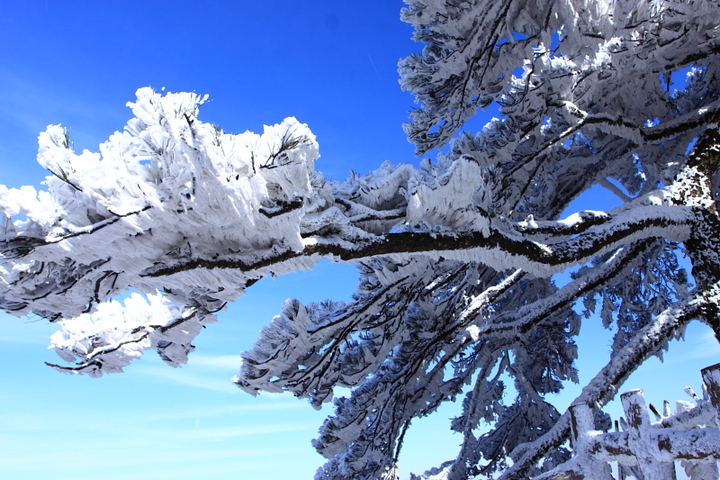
(456, 257)
(115, 334)
(644, 449)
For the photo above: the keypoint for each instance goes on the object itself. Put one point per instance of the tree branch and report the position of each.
(603, 387)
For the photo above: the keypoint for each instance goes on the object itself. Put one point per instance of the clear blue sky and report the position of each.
(330, 64)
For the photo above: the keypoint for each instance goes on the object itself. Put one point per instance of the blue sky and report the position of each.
(330, 64)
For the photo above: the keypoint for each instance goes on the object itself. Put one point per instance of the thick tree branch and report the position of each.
(497, 248)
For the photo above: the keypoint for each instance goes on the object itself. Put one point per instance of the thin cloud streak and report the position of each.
(22, 103)
(707, 347)
(180, 377)
(217, 362)
(121, 457)
(12, 422)
(242, 431)
(25, 330)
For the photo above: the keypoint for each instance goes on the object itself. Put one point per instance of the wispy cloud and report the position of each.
(181, 377)
(102, 440)
(245, 431)
(13, 422)
(26, 330)
(705, 346)
(33, 102)
(128, 454)
(218, 362)
(266, 404)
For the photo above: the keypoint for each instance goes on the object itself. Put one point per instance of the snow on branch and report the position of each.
(160, 220)
(456, 257)
(115, 334)
(107, 217)
(646, 449)
(499, 247)
(602, 388)
(579, 48)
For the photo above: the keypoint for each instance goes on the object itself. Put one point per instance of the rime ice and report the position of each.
(455, 257)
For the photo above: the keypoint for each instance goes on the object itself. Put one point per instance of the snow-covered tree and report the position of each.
(457, 258)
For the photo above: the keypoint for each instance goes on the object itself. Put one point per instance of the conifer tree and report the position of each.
(456, 257)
